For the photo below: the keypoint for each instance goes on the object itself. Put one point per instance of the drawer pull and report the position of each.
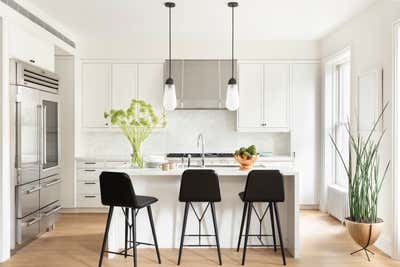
(90, 183)
(90, 170)
(90, 196)
(34, 189)
(90, 163)
(54, 182)
(50, 212)
(32, 221)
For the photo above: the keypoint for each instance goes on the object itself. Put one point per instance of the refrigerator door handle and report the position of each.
(18, 133)
(39, 132)
(32, 221)
(44, 126)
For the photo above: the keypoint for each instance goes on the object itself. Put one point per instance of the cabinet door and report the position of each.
(250, 94)
(151, 86)
(124, 85)
(95, 94)
(305, 128)
(276, 96)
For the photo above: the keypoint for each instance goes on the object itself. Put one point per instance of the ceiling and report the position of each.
(202, 20)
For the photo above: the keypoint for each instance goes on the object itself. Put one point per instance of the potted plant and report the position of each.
(364, 184)
(137, 123)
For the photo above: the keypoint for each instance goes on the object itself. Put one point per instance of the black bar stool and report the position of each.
(199, 186)
(117, 191)
(262, 186)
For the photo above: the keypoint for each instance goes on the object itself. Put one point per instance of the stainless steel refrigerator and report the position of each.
(36, 149)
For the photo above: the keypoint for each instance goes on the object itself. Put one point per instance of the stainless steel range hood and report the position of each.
(200, 84)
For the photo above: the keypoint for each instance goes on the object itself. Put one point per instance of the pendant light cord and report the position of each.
(170, 63)
(233, 38)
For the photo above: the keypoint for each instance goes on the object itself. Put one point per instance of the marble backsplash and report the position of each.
(217, 126)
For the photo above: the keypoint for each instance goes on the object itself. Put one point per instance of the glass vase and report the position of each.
(137, 156)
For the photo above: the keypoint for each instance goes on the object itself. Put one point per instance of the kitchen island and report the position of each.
(168, 211)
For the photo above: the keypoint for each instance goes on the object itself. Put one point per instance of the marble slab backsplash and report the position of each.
(217, 126)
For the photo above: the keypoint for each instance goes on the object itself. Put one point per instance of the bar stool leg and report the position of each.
(279, 233)
(271, 213)
(246, 237)
(103, 246)
(126, 231)
(183, 231)
(242, 224)
(134, 237)
(154, 233)
(216, 231)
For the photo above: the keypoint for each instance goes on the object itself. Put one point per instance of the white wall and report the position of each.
(370, 37)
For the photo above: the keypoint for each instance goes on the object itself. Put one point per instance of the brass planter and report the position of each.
(364, 234)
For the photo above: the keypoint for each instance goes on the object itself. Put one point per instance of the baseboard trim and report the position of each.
(84, 210)
(309, 206)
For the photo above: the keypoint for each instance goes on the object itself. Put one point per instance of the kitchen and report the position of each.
(281, 109)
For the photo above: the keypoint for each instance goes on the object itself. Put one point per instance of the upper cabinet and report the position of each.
(25, 46)
(264, 90)
(95, 94)
(108, 85)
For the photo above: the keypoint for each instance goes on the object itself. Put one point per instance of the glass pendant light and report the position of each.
(232, 92)
(169, 98)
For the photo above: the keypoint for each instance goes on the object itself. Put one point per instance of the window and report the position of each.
(341, 116)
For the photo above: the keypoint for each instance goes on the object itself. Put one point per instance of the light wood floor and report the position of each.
(77, 238)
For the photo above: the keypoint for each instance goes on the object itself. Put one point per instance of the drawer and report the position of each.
(27, 199)
(89, 201)
(88, 187)
(117, 164)
(90, 164)
(50, 190)
(49, 216)
(27, 228)
(88, 174)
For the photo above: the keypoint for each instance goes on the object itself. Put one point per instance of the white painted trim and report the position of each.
(395, 141)
(5, 181)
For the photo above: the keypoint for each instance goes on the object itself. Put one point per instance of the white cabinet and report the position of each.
(250, 114)
(30, 48)
(305, 133)
(264, 90)
(276, 96)
(109, 85)
(95, 94)
(124, 85)
(151, 85)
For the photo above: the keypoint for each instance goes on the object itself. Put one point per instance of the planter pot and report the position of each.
(364, 234)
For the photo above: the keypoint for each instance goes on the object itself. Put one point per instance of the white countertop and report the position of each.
(228, 171)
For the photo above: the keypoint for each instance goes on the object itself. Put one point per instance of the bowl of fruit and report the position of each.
(246, 157)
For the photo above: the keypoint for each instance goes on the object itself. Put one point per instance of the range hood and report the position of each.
(200, 84)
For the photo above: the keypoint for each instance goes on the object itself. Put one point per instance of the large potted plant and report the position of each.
(137, 123)
(364, 184)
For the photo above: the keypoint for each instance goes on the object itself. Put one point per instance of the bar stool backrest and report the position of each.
(117, 190)
(199, 185)
(264, 186)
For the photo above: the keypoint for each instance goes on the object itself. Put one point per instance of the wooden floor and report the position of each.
(77, 238)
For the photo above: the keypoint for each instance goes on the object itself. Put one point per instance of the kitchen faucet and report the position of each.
(203, 164)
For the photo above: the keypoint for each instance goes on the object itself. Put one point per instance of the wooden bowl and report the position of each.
(246, 164)
(364, 234)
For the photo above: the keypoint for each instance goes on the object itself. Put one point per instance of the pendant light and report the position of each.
(232, 92)
(169, 98)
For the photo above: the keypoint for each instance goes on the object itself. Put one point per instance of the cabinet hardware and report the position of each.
(32, 221)
(34, 189)
(88, 196)
(50, 212)
(90, 170)
(90, 183)
(90, 163)
(32, 61)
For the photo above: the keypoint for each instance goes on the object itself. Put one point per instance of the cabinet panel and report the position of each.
(250, 93)
(305, 141)
(276, 95)
(124, 85)
(95, 94)
(151, 85)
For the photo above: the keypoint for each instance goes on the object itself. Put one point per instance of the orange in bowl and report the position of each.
(246, 163)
